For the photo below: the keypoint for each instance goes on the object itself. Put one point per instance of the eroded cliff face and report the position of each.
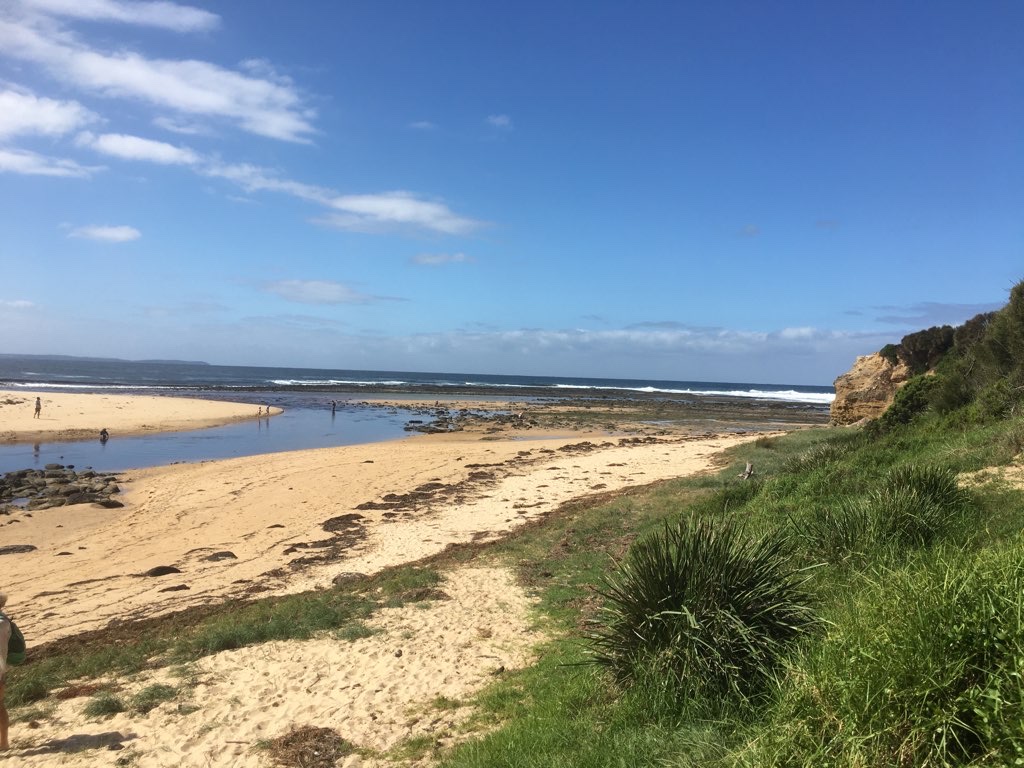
(867, 389)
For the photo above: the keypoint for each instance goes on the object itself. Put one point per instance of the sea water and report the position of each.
(305, 395)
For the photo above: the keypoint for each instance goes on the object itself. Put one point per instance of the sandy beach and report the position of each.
(290, 522)
(64, 416)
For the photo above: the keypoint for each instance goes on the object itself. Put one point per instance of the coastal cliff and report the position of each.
(867, 389)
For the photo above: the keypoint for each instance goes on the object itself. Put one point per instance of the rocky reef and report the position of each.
(56, 485)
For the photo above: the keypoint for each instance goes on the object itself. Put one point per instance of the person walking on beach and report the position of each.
(39, 407)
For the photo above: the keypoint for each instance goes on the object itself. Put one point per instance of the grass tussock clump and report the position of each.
(914, 507)
(700, 609)
(923, 667)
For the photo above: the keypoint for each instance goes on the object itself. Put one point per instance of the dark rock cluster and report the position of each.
(445, 421)
(56, 485)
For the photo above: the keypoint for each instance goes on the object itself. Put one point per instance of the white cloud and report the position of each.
(382, 212)
(136, 148)
(28, 163)
(120, 234)
(180, 126)
(16, 304)
(166, 15)
(798, 333)
(22, 112)
(358, 213)
(500, 121)
(439, 259)
(266, 107)
(423, 125)
(317, 292)
(252, 178)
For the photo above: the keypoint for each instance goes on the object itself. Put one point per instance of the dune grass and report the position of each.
(917, 584)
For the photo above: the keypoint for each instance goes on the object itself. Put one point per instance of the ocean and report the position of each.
(95, 375)
(305, 394)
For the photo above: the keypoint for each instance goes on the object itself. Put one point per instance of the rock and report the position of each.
(162, 570)
(175, 588)
(867, 389)
(217, 556)
(17, 549)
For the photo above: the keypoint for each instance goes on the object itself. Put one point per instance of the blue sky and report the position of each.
(738, 191)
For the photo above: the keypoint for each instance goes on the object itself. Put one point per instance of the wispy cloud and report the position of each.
(749, 230)
(395, 210)
(24, 113)
(107, 234)
(266, 106)
(252, 178)
(929, 313)
(318, 292)
(16, 304)
(28, 163)
(180, 126)
(828, 224)
(136, 148)
(440, 259)
(423, 125)
(167, 15)
(504, 122)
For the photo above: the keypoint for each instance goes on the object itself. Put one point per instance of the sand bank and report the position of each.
(67, 416)
(294, 521)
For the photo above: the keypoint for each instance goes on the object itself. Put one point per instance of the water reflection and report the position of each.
(298, 427)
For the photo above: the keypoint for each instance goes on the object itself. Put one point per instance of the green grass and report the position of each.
(151, 697)
(104, 704)
(920, 658)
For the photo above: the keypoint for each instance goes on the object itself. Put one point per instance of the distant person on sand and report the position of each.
(39, 407)
(334, 406)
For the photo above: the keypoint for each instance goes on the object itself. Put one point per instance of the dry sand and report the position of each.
(78, 416)
(292, 522)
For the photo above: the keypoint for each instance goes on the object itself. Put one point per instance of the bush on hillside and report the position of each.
(923, 350)
(700, 608)
(911, 400)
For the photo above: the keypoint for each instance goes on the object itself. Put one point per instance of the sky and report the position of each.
(733, 191)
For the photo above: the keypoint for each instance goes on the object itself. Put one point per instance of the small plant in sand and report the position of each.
(309, 747)
(104, 704)
(701, 608)
(151, 697)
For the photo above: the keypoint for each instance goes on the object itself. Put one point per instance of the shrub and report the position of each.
(701, 608)
(912, 399)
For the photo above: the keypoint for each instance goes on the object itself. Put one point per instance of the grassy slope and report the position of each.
(919, 662)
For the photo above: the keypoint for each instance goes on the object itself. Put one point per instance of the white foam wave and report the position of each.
(333, 383)
(788, 395)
